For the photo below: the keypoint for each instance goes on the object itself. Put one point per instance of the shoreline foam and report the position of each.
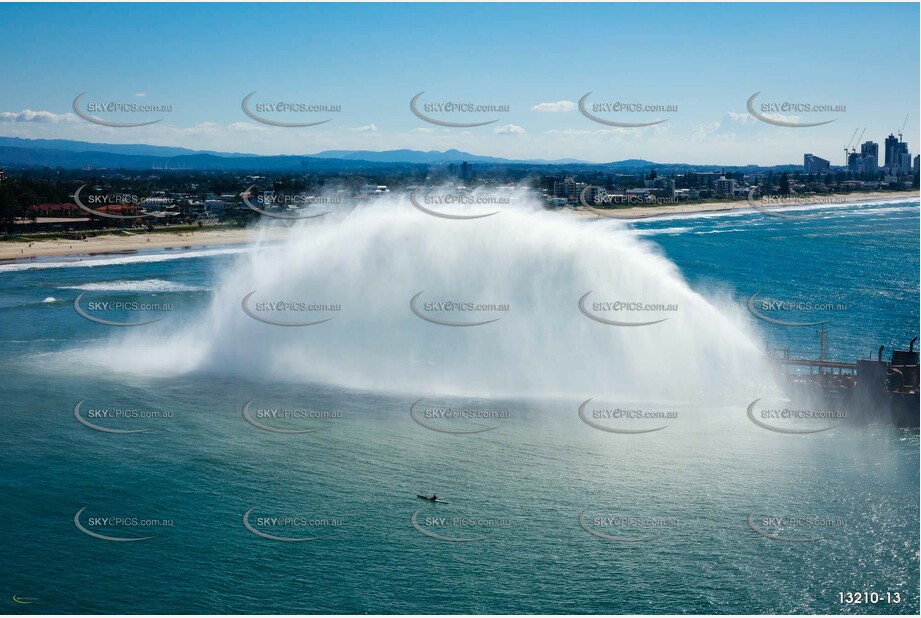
(20, 251)
(643, 213)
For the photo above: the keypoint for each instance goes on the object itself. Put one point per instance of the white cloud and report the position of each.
(559, 106)
(202, 128)
(245, 127)
(703, 131)
(140, 95)
(730, 126)
(611, 132)
(509, 129)
(733, 137)
(28, 115)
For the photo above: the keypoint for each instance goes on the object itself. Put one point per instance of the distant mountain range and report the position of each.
(124, 149)
(432, 156)
(100, 159)
(70, 154)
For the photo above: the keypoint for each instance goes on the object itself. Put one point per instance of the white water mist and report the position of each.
(374, 259)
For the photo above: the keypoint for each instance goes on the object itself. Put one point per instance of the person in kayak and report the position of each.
(434, 498)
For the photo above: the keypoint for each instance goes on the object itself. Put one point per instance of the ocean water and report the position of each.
(543, 512)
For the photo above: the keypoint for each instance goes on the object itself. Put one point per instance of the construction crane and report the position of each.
(848, 147)
(904, 122)
(859, 139)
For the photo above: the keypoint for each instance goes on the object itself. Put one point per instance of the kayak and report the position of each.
(431, 499)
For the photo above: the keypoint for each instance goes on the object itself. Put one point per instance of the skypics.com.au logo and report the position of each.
(771, 204)
(118, 419)
(624, 107)
(457, 419)
(272, 112)
(437, 112)
(626, 418)
(119, 528)
(113, 109)
(289, 528)
(427, 310)
(288, 207)
(477, 204)
(288, 420)
(624, 528)
(622, 308)
(265, 311)
(779, 111)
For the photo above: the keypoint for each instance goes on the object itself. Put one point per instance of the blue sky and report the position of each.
(537, 59)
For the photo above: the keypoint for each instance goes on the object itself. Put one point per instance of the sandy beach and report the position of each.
(130, 241)
(650, 212)
(137, 240)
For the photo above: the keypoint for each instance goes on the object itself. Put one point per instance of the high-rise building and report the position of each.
(815, 165)
(892, 149)
(592, 194)
(869, 159)
(869, 149)
(725, 186)
(917, 161)
(869, 166)
(898, 159)
(902, 149)
(568, 189)
(564, 187)
(464, 171)
(854, 163)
